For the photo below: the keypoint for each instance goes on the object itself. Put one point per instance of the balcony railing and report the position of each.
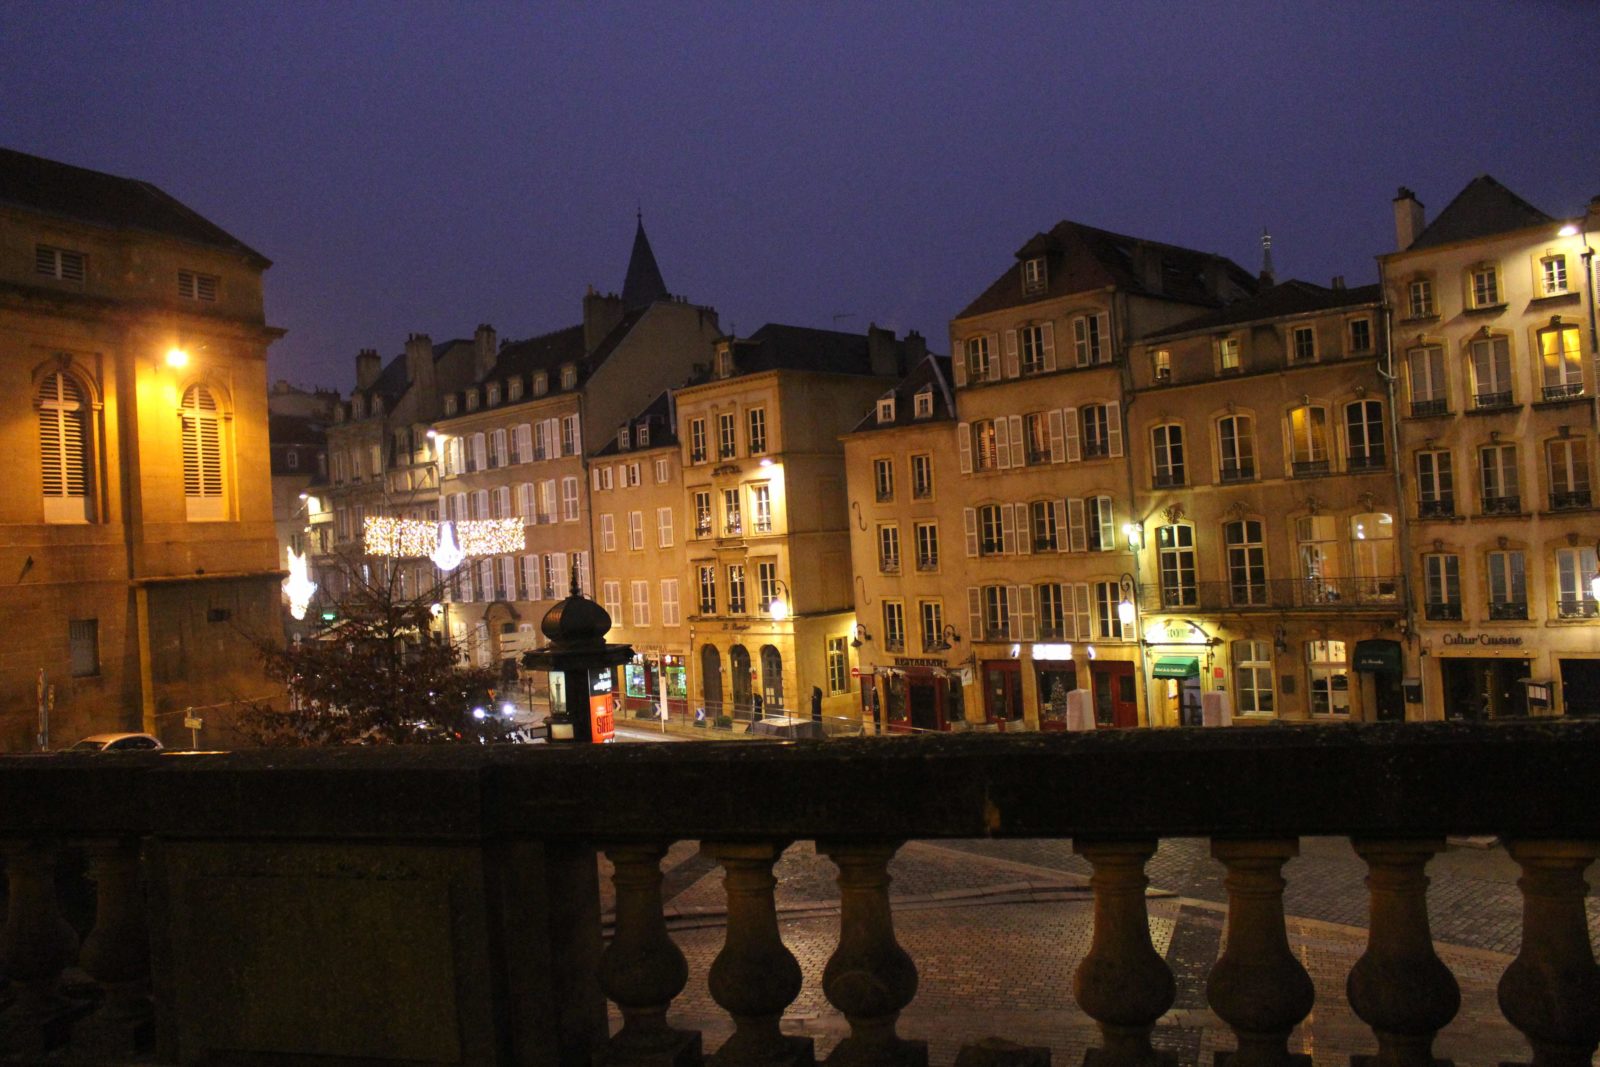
(921, 490)
(927, 563)
(1491, 401)
(1167, 479)
(1424, 408)
(889, 565)
(1238, 472)
(1569, 608)
(1436, 509)
(702, 526)
(1274, 594)
(1502, 505)
(1366, 461)
(1096, 449)
(733, 526)
(239, 895)
(1508, 609)
(1565, 391)
(1311, 468)
(1445, 610)
(1571, 500)
(884, 496)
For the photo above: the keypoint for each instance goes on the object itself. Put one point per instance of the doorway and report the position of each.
(1483, 688)
(1002, 692)
(739, 672)
(924, 700)
(1056, 680)
(1116, 701)
(711, 679)
(1580, 687)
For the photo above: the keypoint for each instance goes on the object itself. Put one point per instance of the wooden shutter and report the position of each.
(1019, 449)
(1078, 540)
(1048, 330)
(1114, 428)
(975, 613)
(964, 440)
(958, 363)
(1058, 448)
(1025, 617)
(1069, 422)
(530, 577)
(1008, 529)
(1011, 613)
(969, 516)
(63, 446)
(1002, 443)
(202, 445)
(1081, 602)
(1013, 361)
(1108, 525)
(1080, 340)
(994, 357)
(1060, 509)
(1024, 529)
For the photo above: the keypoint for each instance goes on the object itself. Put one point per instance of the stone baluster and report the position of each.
(643, 969)
(1400, 987)
(1123, 983)
(1257, 986)
(117, 955)
(1551, 991)
(869, 977)
(755, 976)
(36, 945)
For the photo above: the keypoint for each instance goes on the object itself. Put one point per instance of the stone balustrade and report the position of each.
(442, 905)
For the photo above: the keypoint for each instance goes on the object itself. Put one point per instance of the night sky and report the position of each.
(426, 167)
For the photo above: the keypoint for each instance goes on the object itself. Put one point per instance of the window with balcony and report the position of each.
(708, 589)
(991, 530)
(894, 626)
(1036, 438)
(996, 613)
(1089, 340)
(760, 508)
(732, 518)
(1308, 441)
(922, 476)
(883, 479)
(985, 445)
(1042, 521)
(1302, 344)
(1441, 580)
(1176, 560)
(1567, 462)
(1561, 362)
(1372, 553)
(980, 361)
(1436, 490)
(1328, 678)
(702, 513)
(1052, 611)
(1363, 435)
(1236, 448)
(1247, 563)
(1498, 484)
(1167, 444)
(726, 445)
(889, 549)
(931, 613)
(1483, 285)
(927, 546)
(1101, 523)
(1553, 276)
(1508, 587)
(1419, 298)
(1038, 348)
(1316, 545)
(1425, 374)
(1574, 594)
(1228, 355)
(697, 441)
(1252, 677)
(736, 601)
(756, 430)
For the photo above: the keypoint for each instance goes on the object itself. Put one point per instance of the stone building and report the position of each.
(140, 548)
(1494, 335)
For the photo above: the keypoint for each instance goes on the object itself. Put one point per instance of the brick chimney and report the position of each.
(1408, 219)
(484, 349)
(368, 367)
(419, 369)
(600, 316)
(916, 348)
(884, 355)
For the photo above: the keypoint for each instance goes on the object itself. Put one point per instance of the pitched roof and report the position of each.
(933, 374)
(1293, 297)
(106, 200)
(392, 382)
(296, 430)
(779, 347)
(1482, 209)
(658, 416)
(546, 352)
(643, 285)
(1083, 258)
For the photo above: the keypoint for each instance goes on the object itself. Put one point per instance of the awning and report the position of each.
(1176, 667)
(1373, 656)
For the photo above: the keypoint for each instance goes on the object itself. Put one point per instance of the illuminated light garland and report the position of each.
(491, 537)
(383, 535)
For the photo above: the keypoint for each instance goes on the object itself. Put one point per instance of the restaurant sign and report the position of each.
(1497, 640)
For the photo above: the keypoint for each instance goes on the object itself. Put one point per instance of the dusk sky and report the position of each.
(427, 167)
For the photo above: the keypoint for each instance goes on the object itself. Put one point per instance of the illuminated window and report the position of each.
(1329, 678)
(1561, 360)
(1228, 354)
(985, 445)
(1161, 364)
(1574, 568)
(1308, 435)
(838, 666)
(1252, 675)
(736, 603)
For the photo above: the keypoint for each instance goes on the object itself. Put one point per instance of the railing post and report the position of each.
(643, 969)
(1400, 987)
(869, 977)
(1123, 983)
(35, 947)
(1257, 986)
(117, 955)
(755, 976)
(1551, 991)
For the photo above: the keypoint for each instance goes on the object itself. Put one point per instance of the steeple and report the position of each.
(643, 285)
(1267, 275)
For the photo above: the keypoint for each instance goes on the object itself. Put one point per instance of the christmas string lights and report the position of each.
(384, 535)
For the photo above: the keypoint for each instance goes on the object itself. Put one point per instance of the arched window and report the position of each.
(739, 669)
(711, 679)
(64, 449)
(772, 676)
(202, 455)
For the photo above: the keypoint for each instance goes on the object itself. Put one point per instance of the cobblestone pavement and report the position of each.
(997, 929)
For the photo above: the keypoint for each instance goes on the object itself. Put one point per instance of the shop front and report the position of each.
(1002, 693)
(922, 696)
(1483, 675)
(1580, 686)
(1379, 664)
(648, 680)
(1177, 682)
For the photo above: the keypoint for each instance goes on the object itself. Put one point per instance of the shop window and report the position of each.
(1328, 678)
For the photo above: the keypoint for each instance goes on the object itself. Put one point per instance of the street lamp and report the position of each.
(177, 358)
(1134, 532)
(779, 608)
(1125, 608)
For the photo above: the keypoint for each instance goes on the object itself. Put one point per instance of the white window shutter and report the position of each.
(1080, 340)
(1081, 599)
(1114, 428)
(1108, 526)
(1008, 530)
(974, 614)
(1025, 615)
(1011, 613)
(1060, 509)
(530, 577)
(964, 439)
(1049, 331)
(1002, 442)
(958, 363)
(994, 357)
(1018, 446)
(1069, 421)
(1013, 361)
(1058, 448)
(1078, 540)
(969, 516)
(1024, 529)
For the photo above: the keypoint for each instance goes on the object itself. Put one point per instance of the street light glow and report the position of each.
(177, 358)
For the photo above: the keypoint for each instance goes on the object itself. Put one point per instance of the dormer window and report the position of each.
(1034, 275)
(725, 363)
(569, 376)
(643, 435)
(541, 384)
(450, 404)
(494, 394)
(922, 404)
(472, 400)
(1161, 364)
(514, 389)
(622, 438)
(886, 410)
(358, 407)
(377, 405)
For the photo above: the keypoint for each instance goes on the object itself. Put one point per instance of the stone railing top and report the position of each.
(1529, 779)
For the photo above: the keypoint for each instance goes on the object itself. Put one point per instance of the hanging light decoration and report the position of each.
(384, 535)
(298, 587)
(446, 555)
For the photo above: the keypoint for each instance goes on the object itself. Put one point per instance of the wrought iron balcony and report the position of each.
(1569, 608)
(1274, 594)
(1096, 449)
(733, 526)
(889, 565)
(1044, 544)
(883, 495)
(1564, 391)
(1238, 472)
(1167, 479)
(1571, 500)
(1444, 610)
(702, 526)
(921, 490)
(1502, 505)
(1508, 609)
(1425, 408)
(1366, 461)
(1492, 401)
(1311, 468)
(1442, 508)
(927, 563)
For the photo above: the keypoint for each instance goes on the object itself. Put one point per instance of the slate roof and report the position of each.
(1083, 258)
(932, 372)
(545, 352)
(392, 384)
(658, 414)
(295, 430)
(642, 286)
(779, 347)
(1293, 297)
(1483, 209)
(101, 199)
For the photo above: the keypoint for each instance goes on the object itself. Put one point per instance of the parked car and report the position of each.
(117, 743)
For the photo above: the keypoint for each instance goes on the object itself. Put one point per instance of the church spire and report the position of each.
(643, 285)
(1268, 276)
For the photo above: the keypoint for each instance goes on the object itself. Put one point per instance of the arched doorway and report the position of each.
(711, 679)
(772, 677)
(739, 668)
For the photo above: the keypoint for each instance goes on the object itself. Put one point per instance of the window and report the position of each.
(1363, 434)
(979, 359)
(756, 430)
(1247, 563)
(1329, 682)
(708, 589)
(1316, 545)
(497, 448)
(736, 604)
(724, 363)
(1562, 360)
(1168, 444)
(59, 263)
(541, 384)
(1037, 349)
(1575, 597)
(1108, 612)
(669, 602)
(623, 438)
(1436, 491)
(1161, 365)
(1035, 277)
(472, 401)
(996, 613)
(922, 476)
(1036, 438)
(202, 455)
(1373, 555)
(1302, 344)
(569, 376)
(542, 448)
(1508, 587)
(985, 446)
(1042, 521)
(889, 549)
(1497, 470)
(838, 667)
(1567, 461)
(931, 613)
(697, 441)
(927, 546)
(732, 520)
(883, 479)
(726, 446)
(547, 501)
(65, 448)
(663, 471)
(494, 394)
(702, 513)
(1175, 546)
(1228, 354)
(630, 475)
(663, 527)
(83, 639)
(1102, 524)
(291, 460)
(1236, 444)
(991, 530)
(1308, 436)
(641, 436)
(1553, 275)
(636, 530)
(1491, 373)
(193, 286)
(760, 508)
(569, 435)
(639, 596)
(1102, 430)
(611, 598)
(1359, 335)
(1419, 298)
(1252, 677)
(554, 564)
(569, 499)
(1485, 285)
(602, 477)
(1088, 340)
(766, 585)
(1052, 611)
(886, 410)
(894, 626)
(922, 404)
(514, 389)
(1425, 371)
(1441, 579)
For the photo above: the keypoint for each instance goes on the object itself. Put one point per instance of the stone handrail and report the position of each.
(441, 904)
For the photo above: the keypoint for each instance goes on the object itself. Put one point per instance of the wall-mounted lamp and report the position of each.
(1125, 609)
(177, 358)
(946, 638)
(1134, 532)
(779, 608)
(1594, 583)
(1279, 640)
(861, 635)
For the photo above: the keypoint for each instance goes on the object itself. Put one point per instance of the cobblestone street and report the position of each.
(998, 927)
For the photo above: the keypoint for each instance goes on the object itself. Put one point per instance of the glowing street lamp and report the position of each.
(177, 358)
(1125, 609)
(779, 608)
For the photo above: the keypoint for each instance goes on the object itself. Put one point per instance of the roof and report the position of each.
(1083, 258)
(779, 347)
(106, 200)
(392, 382)
(295, 430)
(546, 352)
(932, 373)
(658, 416)
(643, 285)
(1482, 209)
(1293, 297)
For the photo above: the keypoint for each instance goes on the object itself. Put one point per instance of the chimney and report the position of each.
(368, 366)
(600, 316)
(916, 347)
(1407, 219)
(419, 363)
(484, 349)
(884, 356)
(1338, 283)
